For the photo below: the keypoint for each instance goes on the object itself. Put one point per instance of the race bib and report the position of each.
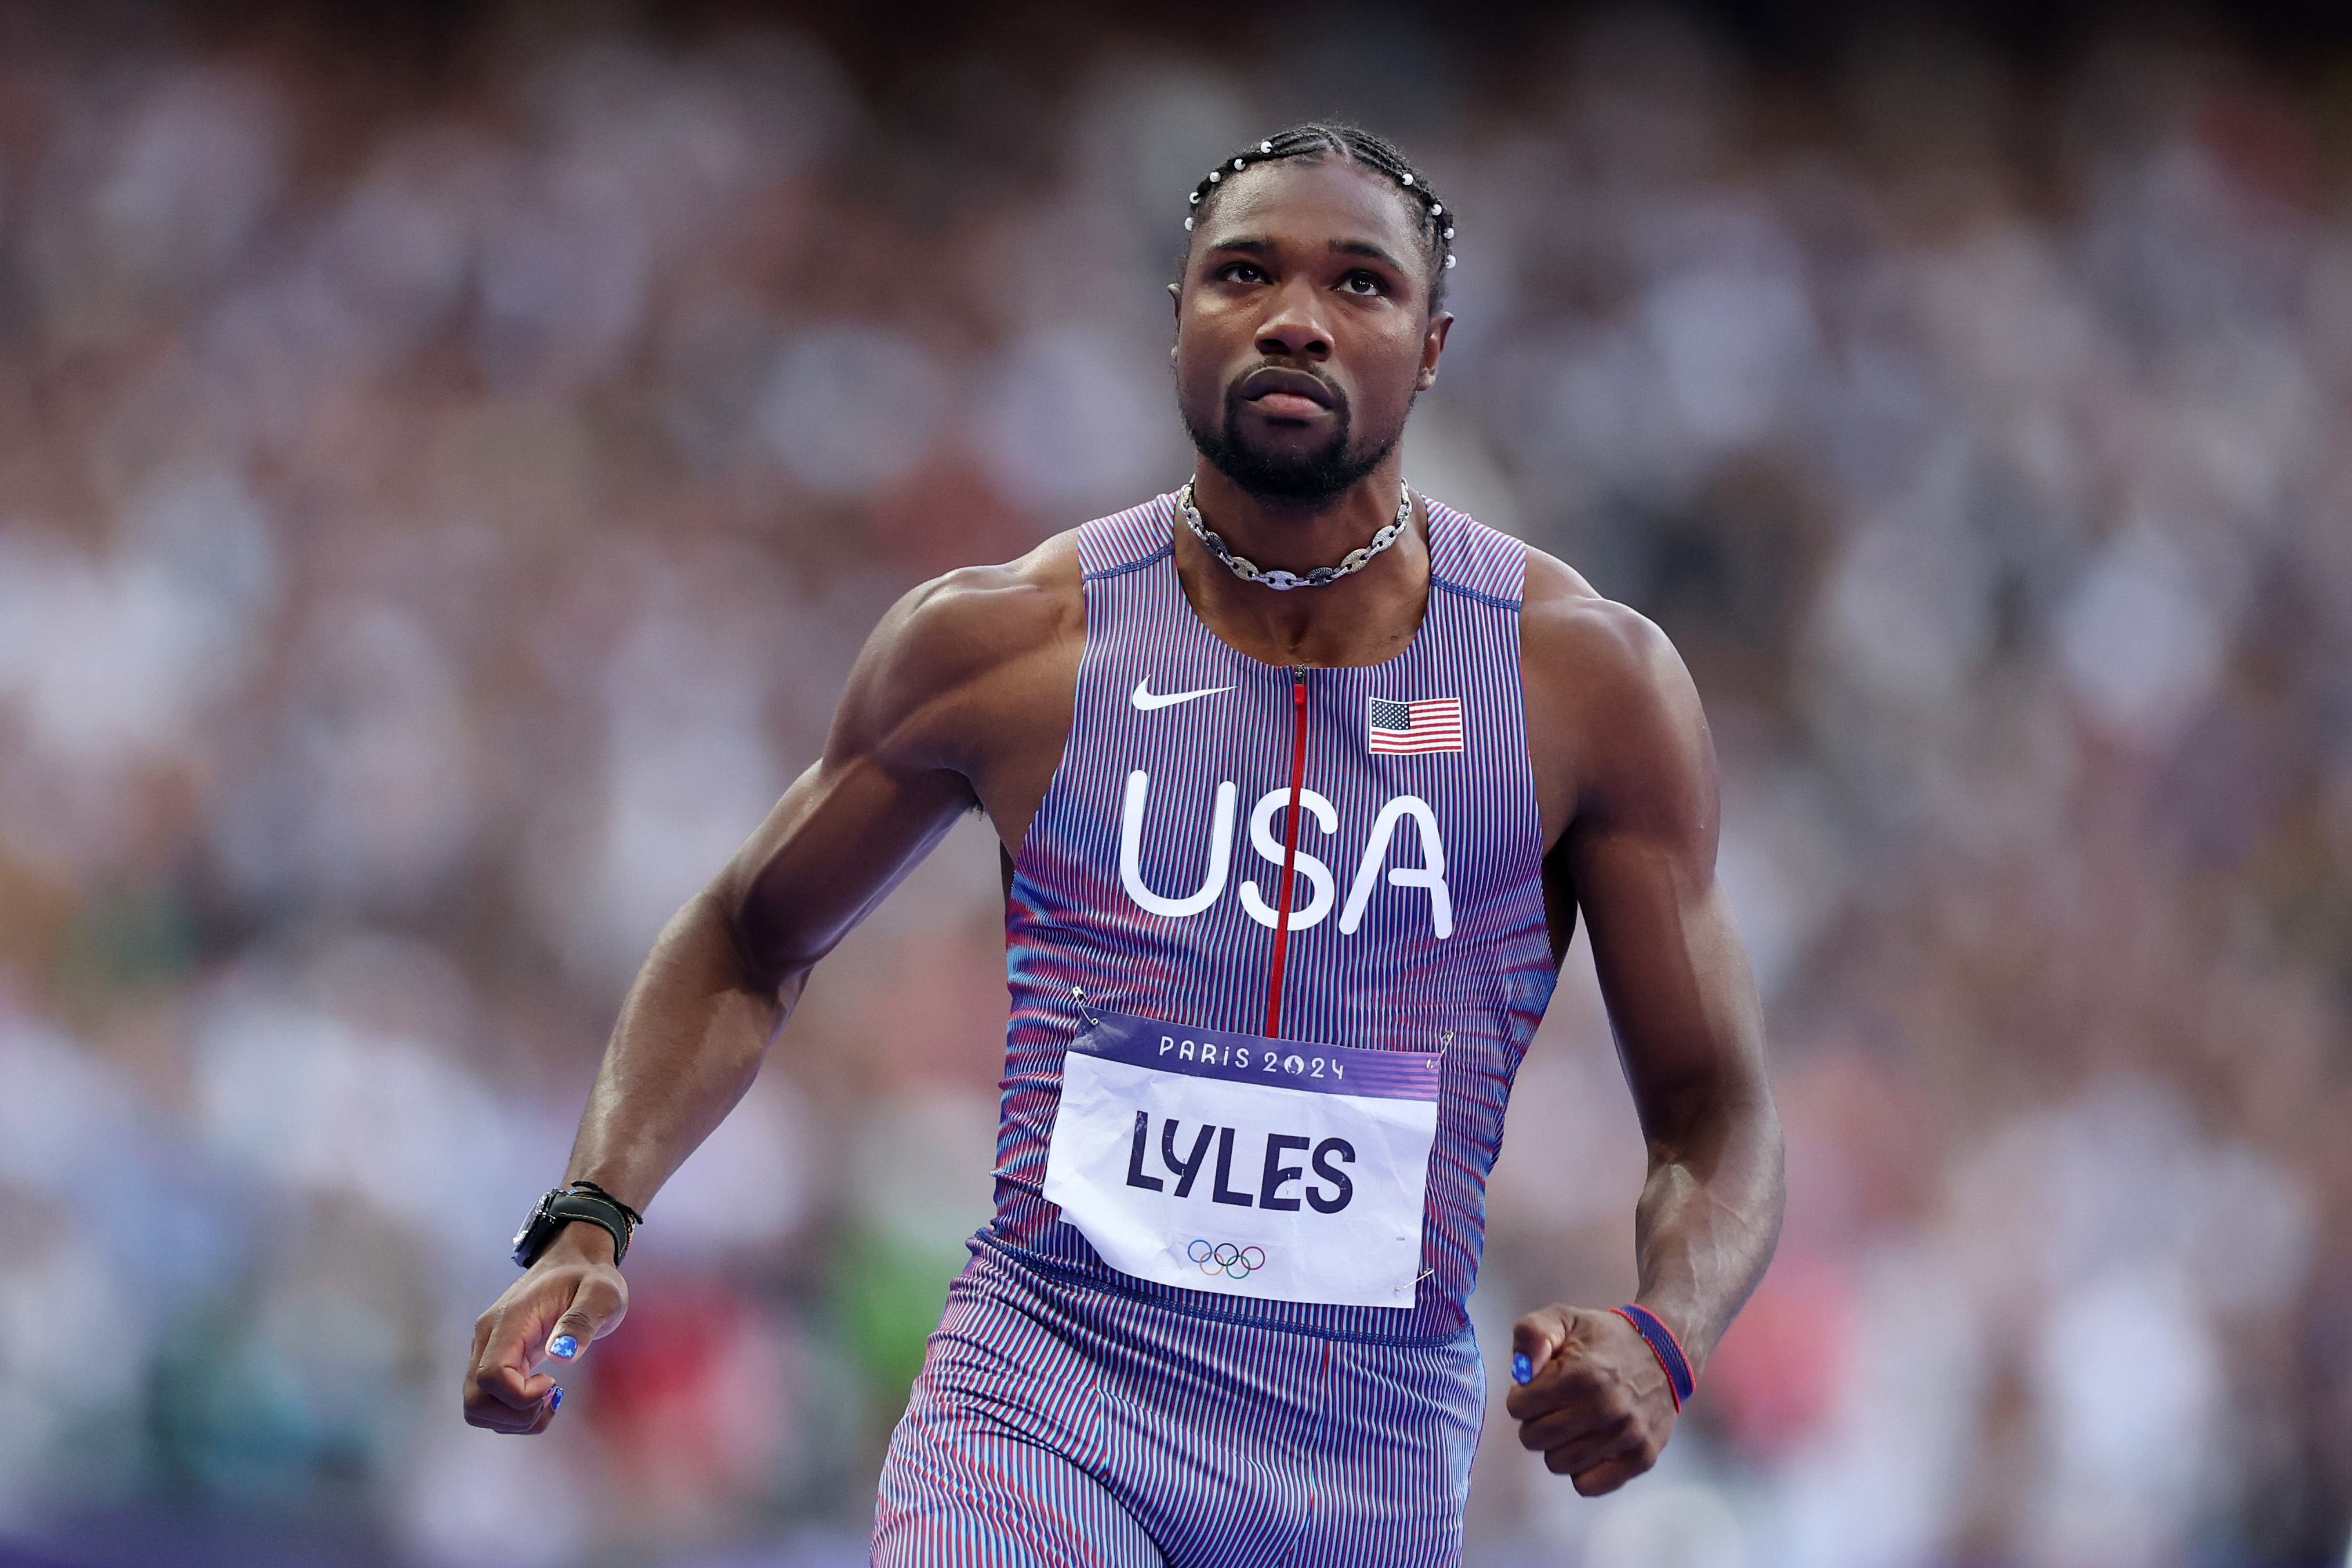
(1249, 1166)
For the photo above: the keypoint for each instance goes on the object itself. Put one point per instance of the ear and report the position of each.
(1176, 298)
(1433, 345)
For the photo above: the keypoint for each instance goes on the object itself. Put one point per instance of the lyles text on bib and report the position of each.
(1250, 1167)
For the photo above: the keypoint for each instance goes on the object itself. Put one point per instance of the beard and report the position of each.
(1310, 478)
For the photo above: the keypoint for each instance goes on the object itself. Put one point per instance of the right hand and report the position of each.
(573, 1291)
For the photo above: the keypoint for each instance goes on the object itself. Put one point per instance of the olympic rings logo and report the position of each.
(1224, 1258)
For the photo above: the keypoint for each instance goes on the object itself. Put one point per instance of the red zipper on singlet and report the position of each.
(1289, 852)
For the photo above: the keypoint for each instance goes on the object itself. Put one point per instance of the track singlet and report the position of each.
(1149, 900)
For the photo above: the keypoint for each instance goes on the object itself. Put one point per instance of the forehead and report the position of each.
(1313, 202)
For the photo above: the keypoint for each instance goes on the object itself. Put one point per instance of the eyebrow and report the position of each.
(1366, 248)
(1250, 245)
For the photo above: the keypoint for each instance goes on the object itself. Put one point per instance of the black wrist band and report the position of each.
(560, 1208)
(596, 1211)
(635, 1218)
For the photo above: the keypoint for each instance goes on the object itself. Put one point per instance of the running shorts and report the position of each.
(1058, 1421)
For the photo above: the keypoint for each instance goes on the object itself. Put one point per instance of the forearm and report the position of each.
(1707, 1220)
(691, 1037)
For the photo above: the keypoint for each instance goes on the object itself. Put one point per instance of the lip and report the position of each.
(1281, 391)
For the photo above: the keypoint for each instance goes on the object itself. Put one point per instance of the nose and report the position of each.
(1295, 330)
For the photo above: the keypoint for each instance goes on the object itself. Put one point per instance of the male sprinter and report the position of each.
(1303, 780)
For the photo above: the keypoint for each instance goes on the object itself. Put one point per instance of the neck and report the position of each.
(1359, 619)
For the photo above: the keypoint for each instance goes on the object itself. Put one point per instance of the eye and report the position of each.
(1241, 272)
(1363, 282)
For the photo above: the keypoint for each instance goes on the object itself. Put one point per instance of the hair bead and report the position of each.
(1363, 148)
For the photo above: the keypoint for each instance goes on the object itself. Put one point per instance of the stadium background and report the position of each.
(449, 456)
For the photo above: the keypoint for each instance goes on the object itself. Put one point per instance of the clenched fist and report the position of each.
(1596, 1403)
(572, 1296)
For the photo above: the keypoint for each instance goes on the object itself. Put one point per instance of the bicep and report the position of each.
(843, 835)
(850, 828)
(1675, 974)
(1641, 854)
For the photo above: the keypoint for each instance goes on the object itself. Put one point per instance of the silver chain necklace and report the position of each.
(1248, 572)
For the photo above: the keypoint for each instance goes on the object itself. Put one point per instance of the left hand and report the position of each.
(1598, 1409)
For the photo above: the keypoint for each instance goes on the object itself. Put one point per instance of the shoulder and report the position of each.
(967, 649)
(1609, 650)
(1613, 721)
(983, 613)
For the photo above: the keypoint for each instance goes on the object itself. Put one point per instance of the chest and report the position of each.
(1410, 779)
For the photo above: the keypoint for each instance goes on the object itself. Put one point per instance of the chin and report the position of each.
(1302, 484)
(1286, 474)
(1297, 477)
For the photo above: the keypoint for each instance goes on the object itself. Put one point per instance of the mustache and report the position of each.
(1337, 399)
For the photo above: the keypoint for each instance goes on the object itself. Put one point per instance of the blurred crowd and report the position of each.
(438, 508)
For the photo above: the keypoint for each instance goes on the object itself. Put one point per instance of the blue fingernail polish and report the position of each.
(564, 1345)
(555, 1400)
(1522, 1369)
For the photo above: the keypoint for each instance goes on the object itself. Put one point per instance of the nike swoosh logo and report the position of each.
(1143, 698)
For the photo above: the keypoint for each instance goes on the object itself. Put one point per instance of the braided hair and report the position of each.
(1322, 139)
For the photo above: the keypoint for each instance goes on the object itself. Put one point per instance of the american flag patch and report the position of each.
(1407, 727)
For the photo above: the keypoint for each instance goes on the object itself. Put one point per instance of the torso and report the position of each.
(1119, 903)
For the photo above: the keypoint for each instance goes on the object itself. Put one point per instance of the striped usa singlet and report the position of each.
(1147, 884)
(1463, 965)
